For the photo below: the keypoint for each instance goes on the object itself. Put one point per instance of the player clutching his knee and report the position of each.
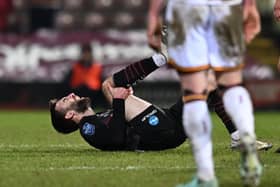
(132, 123)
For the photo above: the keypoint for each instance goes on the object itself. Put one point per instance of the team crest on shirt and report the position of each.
(88, 129)
(153, 120)
(149, 115)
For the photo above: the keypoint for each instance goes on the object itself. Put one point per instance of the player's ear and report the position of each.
(70, 114)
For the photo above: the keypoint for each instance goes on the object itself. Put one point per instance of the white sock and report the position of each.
(159, 59)
(197, 124)
(235, 135)
(238, 105)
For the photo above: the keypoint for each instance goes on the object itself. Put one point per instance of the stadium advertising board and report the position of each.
(48, 56)
(44, 58)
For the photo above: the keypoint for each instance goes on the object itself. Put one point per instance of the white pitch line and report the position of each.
(117, 168)
(105, 168)
(127, 168)
(2, 146)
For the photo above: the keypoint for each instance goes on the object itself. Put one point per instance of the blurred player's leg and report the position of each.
(187, 48)
(215, 101)
(228, 46)
(138, 70)
(238, 105)
(197, 124)
(197, 183)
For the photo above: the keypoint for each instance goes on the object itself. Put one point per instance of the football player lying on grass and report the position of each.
(132, 123)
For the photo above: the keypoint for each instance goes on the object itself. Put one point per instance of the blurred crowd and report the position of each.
(25, 19)
(25, 16)
(29, 15)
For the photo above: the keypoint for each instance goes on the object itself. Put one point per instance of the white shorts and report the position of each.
(204, 36)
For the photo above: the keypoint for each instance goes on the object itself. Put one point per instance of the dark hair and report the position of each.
(86, 47)
(58, 120)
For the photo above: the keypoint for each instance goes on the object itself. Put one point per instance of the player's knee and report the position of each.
(195, 113)
(232, 91)
(189, 96)
(225, 88)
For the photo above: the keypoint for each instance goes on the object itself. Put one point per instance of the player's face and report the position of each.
(66, 103)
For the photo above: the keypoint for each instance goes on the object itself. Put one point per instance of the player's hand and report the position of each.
(276, 10)
(119, 92)
(252, 23)
(109, 81)
(154, 32)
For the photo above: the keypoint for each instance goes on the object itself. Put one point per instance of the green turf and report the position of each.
(33, 154)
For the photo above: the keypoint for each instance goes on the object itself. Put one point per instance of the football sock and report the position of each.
(138, 70)
(198, 128)
(235, 135)
(159, 59)
(215, 101)
(238, 105)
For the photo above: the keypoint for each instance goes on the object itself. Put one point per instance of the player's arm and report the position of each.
(251, 19)
(118, 123)
(106, 89)
(110, 136)
(154, 24)
(276, 10)
(119, 95)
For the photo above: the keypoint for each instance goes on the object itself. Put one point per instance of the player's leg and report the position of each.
(132, 73)
(138, 70)
(187, 50)
(227, 48)
(215, 101)
(197, 123)
(157, 129)
(238, 105)
(133, 105)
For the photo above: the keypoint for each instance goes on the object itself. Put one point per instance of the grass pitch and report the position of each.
(33, 154)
